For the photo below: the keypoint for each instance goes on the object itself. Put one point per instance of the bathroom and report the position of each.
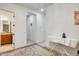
(6, 30)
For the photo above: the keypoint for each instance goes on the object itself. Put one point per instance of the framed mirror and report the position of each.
(5, 27)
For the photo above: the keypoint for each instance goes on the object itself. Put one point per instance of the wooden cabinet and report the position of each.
(6, 39)
(3, 39)
(9, 38)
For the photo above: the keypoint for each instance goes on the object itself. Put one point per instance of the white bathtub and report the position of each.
(66, 41)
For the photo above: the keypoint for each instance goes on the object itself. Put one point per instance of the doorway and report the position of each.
(31, 28)
(6, 30)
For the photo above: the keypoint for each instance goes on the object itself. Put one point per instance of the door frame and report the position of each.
(13, 41)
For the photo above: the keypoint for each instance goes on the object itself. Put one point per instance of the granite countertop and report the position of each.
(4, 33)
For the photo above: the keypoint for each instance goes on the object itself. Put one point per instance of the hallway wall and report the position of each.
(60, 18)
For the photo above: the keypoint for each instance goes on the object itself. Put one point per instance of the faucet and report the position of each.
(63, 35)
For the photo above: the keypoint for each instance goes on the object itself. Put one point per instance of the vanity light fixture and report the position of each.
(4, 18)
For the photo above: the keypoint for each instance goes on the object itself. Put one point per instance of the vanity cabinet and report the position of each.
(6, 39)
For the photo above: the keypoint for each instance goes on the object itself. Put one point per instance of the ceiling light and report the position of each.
(42, 10)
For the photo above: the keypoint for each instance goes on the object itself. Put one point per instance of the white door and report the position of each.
(31, 27)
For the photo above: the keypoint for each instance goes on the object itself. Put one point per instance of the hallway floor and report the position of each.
(34, 50)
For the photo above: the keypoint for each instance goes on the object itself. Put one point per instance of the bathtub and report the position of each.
(65, 41)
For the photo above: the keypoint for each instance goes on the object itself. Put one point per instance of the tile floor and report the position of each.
(29, 42)
(34, 50)
(7, 47)
(64, 50)
(42, 49)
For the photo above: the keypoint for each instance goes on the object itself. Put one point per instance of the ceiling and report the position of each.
(35, 6)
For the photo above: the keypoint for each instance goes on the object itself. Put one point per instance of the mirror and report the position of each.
(5, 27)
